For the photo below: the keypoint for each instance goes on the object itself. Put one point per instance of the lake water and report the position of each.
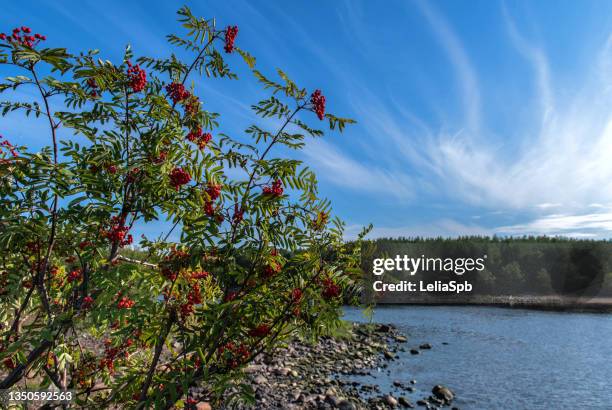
(500, 358)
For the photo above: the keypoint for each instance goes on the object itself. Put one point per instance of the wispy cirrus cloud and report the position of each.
(352, 174)
(559, 162)
(454, 48)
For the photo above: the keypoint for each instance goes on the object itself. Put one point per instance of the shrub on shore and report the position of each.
(257, 257)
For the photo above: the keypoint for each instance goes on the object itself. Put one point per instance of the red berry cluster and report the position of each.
(179, 177)
(125, 303)
(173, 263)
(10, 147)
(74, 275)
(238, 214)
(260, 331)
(87, 302)
(234, 354)
(133, 175)
(137, 78)
(318, 103)
(9, 363)
(230, 296)
(230, 37)
(209, 208)
(85, 244)
(161, 157)
(199, 138)
(271, 269)
(192, 106)
(177, 92)
(93, 86)
(111, 353)
(320, 221)
(214, 192)
(276, 189)
(296, 295)
(85, 372)
(330, 289)
(118, 232)
(194, 297)
(199, 275)
(24, 39)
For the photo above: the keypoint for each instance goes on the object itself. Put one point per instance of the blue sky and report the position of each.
(473, 118)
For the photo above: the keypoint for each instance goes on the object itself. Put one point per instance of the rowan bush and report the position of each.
(254, 259)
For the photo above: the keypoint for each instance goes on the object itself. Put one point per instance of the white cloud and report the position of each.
(575, 225)
(538, 59)
(547, 205)
(560, 161)
(349, 173)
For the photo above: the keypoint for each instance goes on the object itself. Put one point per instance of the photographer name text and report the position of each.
(404, 264)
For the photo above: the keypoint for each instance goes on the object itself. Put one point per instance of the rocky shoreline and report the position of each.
(322, 376)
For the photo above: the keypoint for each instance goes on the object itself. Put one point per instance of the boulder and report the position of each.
(346, 405)
(404, 402)
(383, 329)
(443, 393)
(332, 399)
(390, 400)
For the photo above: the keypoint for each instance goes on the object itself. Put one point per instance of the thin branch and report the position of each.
(135, 261)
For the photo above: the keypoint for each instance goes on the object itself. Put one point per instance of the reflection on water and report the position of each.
(502, 358)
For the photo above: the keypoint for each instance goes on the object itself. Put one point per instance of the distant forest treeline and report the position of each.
(529, 265)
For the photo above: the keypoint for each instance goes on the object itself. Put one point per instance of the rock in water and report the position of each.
(390, 400)
(383, 328)
(404, 402)
(346, 405)
(443, 393)
(414, 351)
(425, 346)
